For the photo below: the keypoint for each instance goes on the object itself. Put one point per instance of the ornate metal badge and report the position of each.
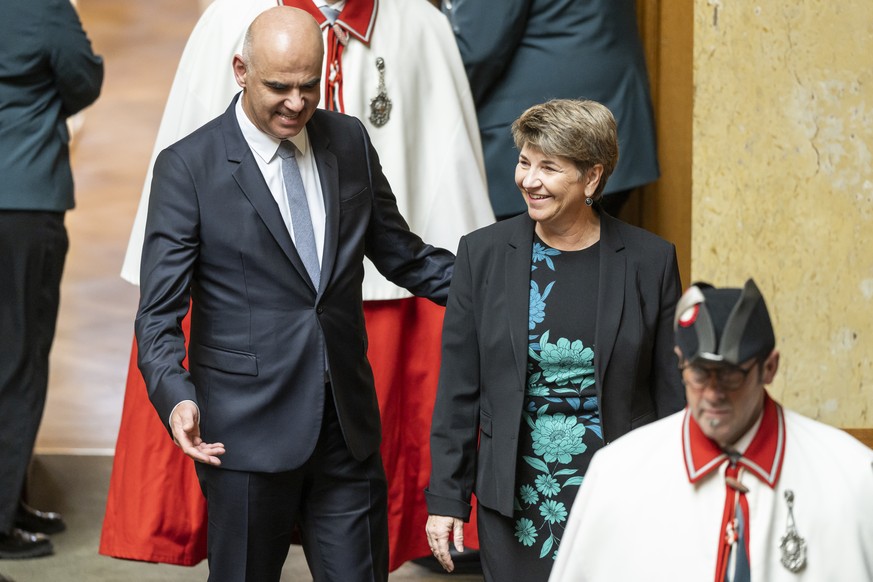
(792, 545)
(380, 105)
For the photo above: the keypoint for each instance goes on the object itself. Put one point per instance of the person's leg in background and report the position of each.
(33, 248)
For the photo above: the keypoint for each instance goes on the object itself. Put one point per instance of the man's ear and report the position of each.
(239, 70)
(769, 367)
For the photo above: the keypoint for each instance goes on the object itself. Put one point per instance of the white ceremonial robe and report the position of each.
(638, 516)
(429, 149)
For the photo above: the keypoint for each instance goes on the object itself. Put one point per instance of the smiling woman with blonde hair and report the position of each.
(557, 340)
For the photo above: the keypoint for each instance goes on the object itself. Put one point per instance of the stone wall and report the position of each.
(783, 185)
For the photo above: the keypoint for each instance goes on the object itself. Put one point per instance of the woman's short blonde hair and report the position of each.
(583, 131)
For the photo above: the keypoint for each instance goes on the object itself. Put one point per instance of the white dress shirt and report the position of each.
(264, 147)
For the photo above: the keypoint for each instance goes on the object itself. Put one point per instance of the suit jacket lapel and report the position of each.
(328, 174)
(517, 285)
(611, 294)
(250, 180)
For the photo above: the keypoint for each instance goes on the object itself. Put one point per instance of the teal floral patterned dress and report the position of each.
(560, 424)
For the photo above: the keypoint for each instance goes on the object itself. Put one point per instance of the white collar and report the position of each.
(744, 441)
(266, 146)
(338, 6)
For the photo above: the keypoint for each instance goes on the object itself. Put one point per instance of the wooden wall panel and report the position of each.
(865, 435)
(667, 30)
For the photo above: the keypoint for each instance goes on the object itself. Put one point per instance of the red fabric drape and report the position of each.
(155, 511)
(405, 354)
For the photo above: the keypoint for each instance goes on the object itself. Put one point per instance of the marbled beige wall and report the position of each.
(783, 185)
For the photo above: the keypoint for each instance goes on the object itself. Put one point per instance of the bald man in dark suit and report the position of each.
(279, 407)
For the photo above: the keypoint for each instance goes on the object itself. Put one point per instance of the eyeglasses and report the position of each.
(727, 376)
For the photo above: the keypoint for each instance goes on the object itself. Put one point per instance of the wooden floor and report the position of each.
(141, 43)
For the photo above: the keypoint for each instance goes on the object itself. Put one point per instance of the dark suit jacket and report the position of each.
(485, 352)
(258, 326)
(518, 53)
(47, 73)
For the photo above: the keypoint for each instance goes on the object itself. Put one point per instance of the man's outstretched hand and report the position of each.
(185, 424)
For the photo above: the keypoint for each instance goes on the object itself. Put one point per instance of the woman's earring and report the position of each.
(589, 201)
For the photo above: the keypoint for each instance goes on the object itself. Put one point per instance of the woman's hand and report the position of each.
(438, 529)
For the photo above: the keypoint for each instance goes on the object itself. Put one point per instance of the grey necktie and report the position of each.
(301, 220)
(330, 13)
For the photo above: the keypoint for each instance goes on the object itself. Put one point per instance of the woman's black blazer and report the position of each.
(485, 349)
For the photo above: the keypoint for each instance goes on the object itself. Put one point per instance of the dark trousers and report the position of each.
(337, 503)
(33, 248)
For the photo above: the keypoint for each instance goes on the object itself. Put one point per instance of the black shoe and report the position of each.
(45, 522)
(18, 544)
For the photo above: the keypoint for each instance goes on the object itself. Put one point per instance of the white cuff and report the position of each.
(169, 421)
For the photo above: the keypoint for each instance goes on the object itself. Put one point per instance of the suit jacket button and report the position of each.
(319, 309)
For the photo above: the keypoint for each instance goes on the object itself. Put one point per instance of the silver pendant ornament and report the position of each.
(792, 545)
(380, 105)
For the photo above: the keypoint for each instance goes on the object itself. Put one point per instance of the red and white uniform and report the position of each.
(651, 506)
(431, 154)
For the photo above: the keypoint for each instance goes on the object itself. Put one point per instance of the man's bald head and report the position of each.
(282, 29)
(280, 71)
